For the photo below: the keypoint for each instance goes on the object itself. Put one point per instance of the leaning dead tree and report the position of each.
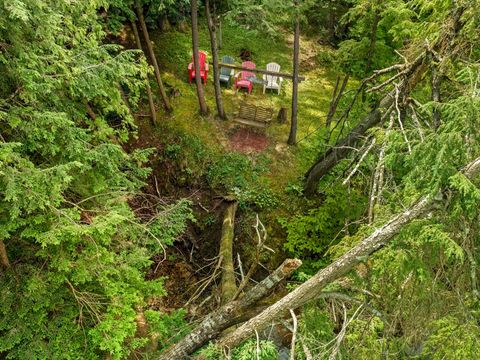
(230, 314)
(313, 287)
(409, 75)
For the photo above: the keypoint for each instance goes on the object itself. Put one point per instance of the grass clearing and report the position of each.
(285, 162)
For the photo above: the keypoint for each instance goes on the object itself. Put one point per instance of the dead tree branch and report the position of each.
(312, 288)
(229, 314)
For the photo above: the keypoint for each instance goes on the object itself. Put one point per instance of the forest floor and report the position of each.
(189, 146)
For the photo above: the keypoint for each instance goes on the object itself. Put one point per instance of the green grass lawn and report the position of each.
(287, 164)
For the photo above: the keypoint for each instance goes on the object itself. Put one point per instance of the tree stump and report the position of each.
(282, 116)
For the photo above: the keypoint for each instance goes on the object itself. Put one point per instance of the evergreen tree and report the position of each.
(77, 252)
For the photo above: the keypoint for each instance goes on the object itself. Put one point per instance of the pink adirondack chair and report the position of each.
(242, 78)
(202, 57)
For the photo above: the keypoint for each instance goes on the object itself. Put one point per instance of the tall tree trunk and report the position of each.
(312, 288)
(153, 112)
(412, 75)
(4, 262)
(196, 60)
(216, 72)
(218, 24)
(229, 314)
(336, 99)
(153, 58)
(292, 138)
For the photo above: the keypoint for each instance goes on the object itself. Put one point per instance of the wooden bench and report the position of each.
(254, 115)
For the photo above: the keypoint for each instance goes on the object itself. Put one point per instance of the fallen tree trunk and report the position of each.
(229, 314)
(412, 75)
(228, 284)
(312, 288)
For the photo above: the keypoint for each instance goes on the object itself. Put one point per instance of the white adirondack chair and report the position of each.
(271, 81)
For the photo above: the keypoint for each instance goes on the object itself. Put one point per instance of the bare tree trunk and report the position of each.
(229, 314)
(292, 137)
(341, 149)
(196, 61)
(228, 283)
(218, 24)
(153, 112)
(336, 99)
(4, 262)
(412, 75)
(312, 288)
(153, 58)
(216, 72)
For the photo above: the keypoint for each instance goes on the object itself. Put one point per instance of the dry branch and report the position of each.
(229, 314)
(312, 288)
(412, 74)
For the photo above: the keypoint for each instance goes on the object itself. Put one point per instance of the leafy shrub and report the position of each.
(313, 233)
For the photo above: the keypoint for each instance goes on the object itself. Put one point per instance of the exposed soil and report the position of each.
(187, 261)
(248, 141)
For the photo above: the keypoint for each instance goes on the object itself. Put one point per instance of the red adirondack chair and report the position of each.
(242, 78)
(202, 57)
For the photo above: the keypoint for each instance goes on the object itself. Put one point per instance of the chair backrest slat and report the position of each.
(226, 60)
(275, 68)
(247, 111)
(202, 58)
(248, 65)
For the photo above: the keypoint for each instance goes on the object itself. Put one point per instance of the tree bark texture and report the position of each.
(337, 95)
(229, 314)
(412, 76)
(196, 60)
(153, 112)
(228, 283)
(292, 137)
(153, 58)
(216, 70)
(312, 288)
(4, 262)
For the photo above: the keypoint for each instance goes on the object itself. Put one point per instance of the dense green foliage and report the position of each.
(80, 250)
(77, 250)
